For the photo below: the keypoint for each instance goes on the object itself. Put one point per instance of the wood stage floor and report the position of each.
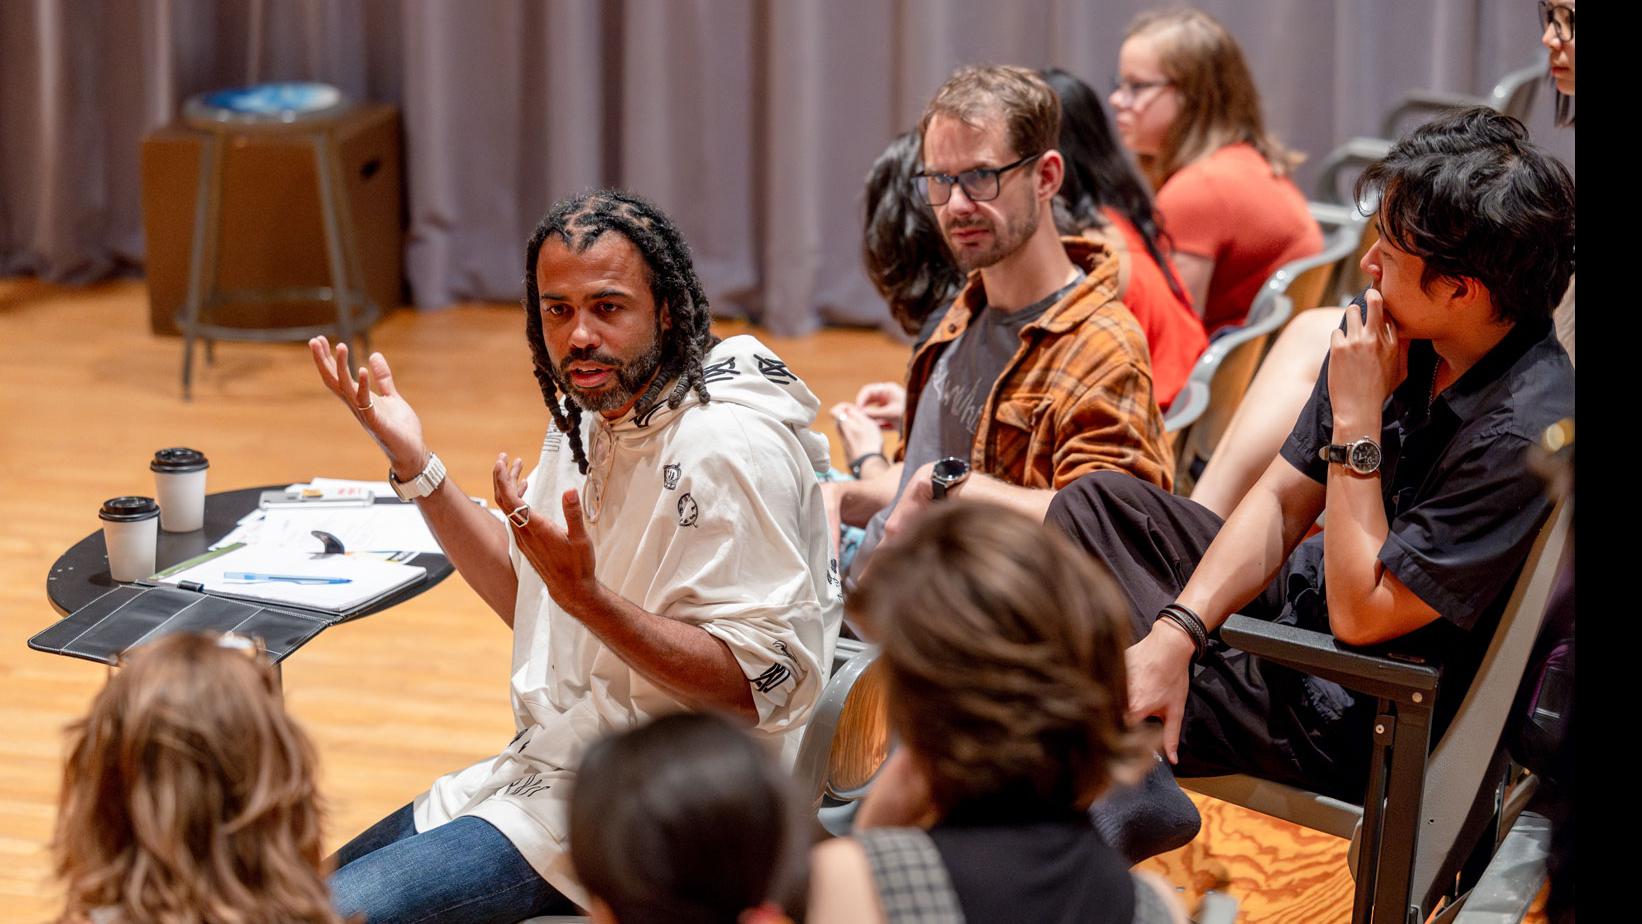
(87, 393)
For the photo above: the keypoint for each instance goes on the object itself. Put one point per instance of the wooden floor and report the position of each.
(87, 393)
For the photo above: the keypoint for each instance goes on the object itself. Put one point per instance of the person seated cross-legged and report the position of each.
(1414, 442)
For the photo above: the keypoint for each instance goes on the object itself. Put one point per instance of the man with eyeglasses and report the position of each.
(1038, 374)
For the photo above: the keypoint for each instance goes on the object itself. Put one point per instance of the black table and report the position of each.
(81, 575)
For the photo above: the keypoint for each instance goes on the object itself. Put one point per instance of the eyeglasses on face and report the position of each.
(980, 184)
(1558, 18)
(1125, 92)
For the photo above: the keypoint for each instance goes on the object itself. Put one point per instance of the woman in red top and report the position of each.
(1187, 107)
(1103, 198)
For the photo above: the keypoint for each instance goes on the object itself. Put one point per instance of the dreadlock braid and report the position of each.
(578, 222)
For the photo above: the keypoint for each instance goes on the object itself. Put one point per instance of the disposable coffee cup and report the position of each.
(129, 531)
(179, 482)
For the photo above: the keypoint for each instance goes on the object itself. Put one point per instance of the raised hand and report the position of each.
(1365, 362)
(564, 558)
(859, 433)
(885, 403)
(374, 401)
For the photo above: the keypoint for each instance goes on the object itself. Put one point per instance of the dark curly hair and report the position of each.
(1470, 195)
(579, 221)
(904, 253)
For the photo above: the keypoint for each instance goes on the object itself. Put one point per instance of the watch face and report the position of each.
(950, 469)
(1364, 456)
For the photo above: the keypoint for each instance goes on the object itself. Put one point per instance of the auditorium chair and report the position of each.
(1431, 818)
(1200, 412)
(847, 738)
(1513, 95)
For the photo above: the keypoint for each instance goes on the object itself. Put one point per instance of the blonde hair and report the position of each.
(1219, 104)
(189, 795)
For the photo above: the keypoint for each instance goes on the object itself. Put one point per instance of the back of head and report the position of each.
(685, 820)
(1219, 104)
(1470, 195)
(190, 795)
(904, 253)
(975, 94)
(1003, 655)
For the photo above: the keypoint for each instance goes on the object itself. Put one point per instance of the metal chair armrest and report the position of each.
(1189, 404)
(1321, 655)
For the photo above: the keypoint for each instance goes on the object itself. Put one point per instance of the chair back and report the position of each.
(1201, 411)
(847, 739)
(1473, 742)
(1514, 94)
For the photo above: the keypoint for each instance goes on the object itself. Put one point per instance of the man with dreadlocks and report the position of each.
(669, 551)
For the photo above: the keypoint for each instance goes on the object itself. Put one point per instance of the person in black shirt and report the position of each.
(1414, 442)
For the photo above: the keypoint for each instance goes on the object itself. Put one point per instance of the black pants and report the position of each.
(1243, 714)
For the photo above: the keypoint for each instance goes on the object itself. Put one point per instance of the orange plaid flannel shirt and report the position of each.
(1077, 396)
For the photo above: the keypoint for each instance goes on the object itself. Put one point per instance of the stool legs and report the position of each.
(327, 170)
(202, 268)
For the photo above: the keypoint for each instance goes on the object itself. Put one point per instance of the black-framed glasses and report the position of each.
(981, 184)
(1125, 92)
(1558, 18)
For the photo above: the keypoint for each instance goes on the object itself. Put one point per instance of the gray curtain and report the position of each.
(752, 122)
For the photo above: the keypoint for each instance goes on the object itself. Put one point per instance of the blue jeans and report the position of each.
(464, 871)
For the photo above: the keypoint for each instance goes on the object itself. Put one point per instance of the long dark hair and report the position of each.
(686, 820)
(905, 257)
(1098, 175)
(579, 221)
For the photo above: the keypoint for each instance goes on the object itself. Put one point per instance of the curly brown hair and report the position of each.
(1003, 656)
(189, 795)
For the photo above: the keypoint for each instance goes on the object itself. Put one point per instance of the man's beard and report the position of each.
(1015, 234)
(631, 376)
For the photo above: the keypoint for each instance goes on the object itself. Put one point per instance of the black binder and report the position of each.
(129, 615)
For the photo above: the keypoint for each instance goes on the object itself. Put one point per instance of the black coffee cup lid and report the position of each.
(178, 459)
(129, 509)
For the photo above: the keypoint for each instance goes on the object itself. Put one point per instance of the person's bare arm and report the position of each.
(920, 493)
(859, 501)
(473, 540)
(1195, 273)
(685, 660)
(842, 890)
(1268, 410)
(1241, 561)
(1367, 604)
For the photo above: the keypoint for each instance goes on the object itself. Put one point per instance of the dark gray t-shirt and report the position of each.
(955, 395)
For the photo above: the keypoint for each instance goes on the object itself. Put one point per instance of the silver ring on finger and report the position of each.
(519, 516)
(370, 402)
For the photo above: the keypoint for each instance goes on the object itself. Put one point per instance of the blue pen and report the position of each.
(257, 577)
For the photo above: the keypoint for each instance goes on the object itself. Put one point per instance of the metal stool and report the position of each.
(308, 110)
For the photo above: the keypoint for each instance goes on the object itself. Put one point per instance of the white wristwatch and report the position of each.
(426, 481)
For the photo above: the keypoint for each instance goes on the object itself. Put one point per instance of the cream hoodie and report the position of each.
(709, 514)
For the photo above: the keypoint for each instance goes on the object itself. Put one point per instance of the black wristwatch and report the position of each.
(948, 474)
(1361, 456)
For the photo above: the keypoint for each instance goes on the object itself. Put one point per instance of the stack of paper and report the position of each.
(330, 583)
